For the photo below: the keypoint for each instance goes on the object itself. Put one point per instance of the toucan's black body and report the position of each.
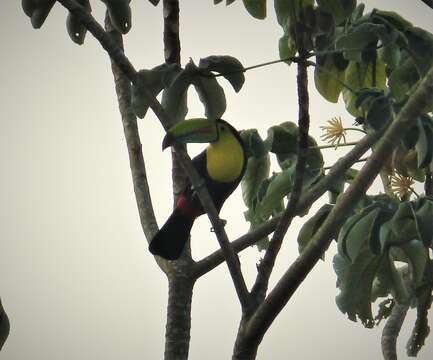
(170, 240)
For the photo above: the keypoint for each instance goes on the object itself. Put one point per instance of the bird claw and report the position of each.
(222, 222)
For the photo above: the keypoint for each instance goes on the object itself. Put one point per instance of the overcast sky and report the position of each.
(76, 278)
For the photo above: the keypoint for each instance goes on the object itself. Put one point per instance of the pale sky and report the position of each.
(76, 278)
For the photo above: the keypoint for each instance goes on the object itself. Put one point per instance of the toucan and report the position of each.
(221, 165)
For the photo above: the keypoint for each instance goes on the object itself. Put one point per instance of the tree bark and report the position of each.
(178, 326)
(243, 348)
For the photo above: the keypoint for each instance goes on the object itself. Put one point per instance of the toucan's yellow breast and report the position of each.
(225, 159)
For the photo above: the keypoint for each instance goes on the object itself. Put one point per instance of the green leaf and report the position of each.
(417, 256)
(212, 96)
(280, 185)
(4, 326)
(424, 300)
(424, 145)
(355, 282)
(359, 37)
(257, 171)
(395, 19)
(311, 226)
(253, 143)
(403, 225)
(328, 80)
(256, 8)
(399, 290)
(277, 187)
(228, 66)
(424, 216)
(390, 54)
(283, 140)
(379, 113)
(258, 166)
(357, 13)
(37, 11)
(174, 98)
(359, 76)
(286, 48)
(420, 43)
(288, 11)
(383, 283)
(403, 78)
(153, 81)
(360, 233)
(340, 9)
(120, 14)
(345, 230)
(76, 30)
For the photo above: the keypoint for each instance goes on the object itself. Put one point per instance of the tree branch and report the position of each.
(391, 330)
(266, 266)
(340, 167)
(171, 31)
(429, 3)
(133, 143)
(394, 322)
(294, 276)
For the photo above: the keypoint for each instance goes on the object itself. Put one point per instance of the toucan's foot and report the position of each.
(222, 222)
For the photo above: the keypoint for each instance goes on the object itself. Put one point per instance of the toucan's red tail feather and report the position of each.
(170, 240)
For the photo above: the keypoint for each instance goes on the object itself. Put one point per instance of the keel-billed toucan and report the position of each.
(221, 166)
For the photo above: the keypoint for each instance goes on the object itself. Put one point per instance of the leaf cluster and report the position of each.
(381, 234)
(264, 193)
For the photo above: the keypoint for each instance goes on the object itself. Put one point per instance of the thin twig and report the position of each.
(332, 146)
(266, 266)
(133, 143)
(357, 161)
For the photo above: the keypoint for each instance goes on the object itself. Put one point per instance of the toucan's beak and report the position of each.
(191, 131)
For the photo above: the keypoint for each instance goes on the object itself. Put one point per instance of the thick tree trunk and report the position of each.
(177, 334)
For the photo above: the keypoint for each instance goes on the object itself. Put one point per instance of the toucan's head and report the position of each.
(198, 130)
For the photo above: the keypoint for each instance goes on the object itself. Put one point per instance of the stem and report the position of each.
(395, 321)
(356, 129)
(357, 161)
(331, 74)
(333, 146)
(267, 264)
(391, 330)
